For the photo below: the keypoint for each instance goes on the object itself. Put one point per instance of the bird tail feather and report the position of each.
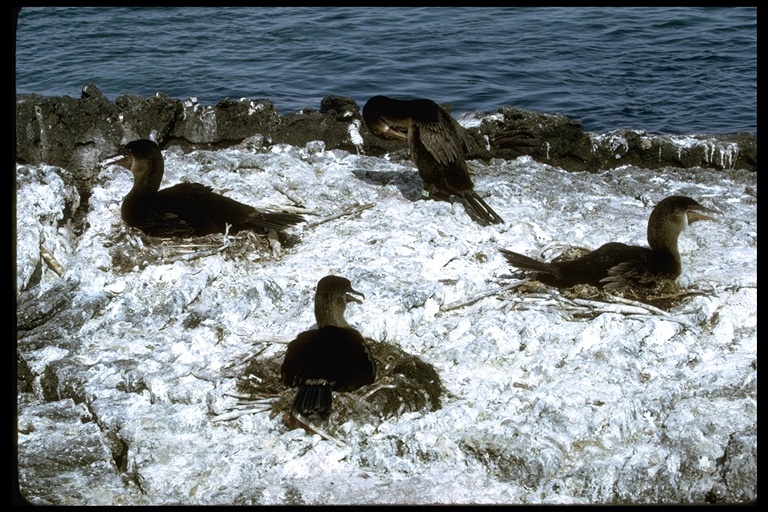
(276, 220)
(313, 398)
(479, 210)
(525, 262)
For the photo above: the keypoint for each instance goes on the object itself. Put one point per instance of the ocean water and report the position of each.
(678, 70)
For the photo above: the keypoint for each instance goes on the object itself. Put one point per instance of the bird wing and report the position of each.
(442, 140)
(646, 269)
(147, 214)
(631, 273)
(169, 224)
(336, 354)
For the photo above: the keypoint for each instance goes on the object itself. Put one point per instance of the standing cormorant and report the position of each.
(332, 357)
(616, 265)
(185, 209)
(437, 148)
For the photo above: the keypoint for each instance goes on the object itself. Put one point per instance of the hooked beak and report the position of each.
(394, 133)
(120, 159)
(694, 213)
(350, 296)
(386, 131)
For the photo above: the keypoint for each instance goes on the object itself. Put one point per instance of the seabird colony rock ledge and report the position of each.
(77, 133)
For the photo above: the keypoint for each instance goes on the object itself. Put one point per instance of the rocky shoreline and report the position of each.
(77, 133)
(130, 351)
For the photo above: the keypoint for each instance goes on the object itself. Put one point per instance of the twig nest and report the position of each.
(404, 383)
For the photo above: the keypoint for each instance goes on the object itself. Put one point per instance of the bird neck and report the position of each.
(328, 315)
(147, 174)
(664, 240)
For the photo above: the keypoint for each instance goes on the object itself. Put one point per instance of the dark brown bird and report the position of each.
(616, 265)
(186, 209)
(332, 357)
(437, 148)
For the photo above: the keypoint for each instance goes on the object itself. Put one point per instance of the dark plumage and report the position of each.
(616, 265)
(186, 209)
(332, 357)
(437, 148)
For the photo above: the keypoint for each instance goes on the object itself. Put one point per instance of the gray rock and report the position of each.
(77, 133)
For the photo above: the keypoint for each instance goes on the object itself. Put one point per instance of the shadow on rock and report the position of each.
(407, 182)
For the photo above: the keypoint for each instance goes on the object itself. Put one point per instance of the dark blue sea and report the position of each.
(676, 70)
